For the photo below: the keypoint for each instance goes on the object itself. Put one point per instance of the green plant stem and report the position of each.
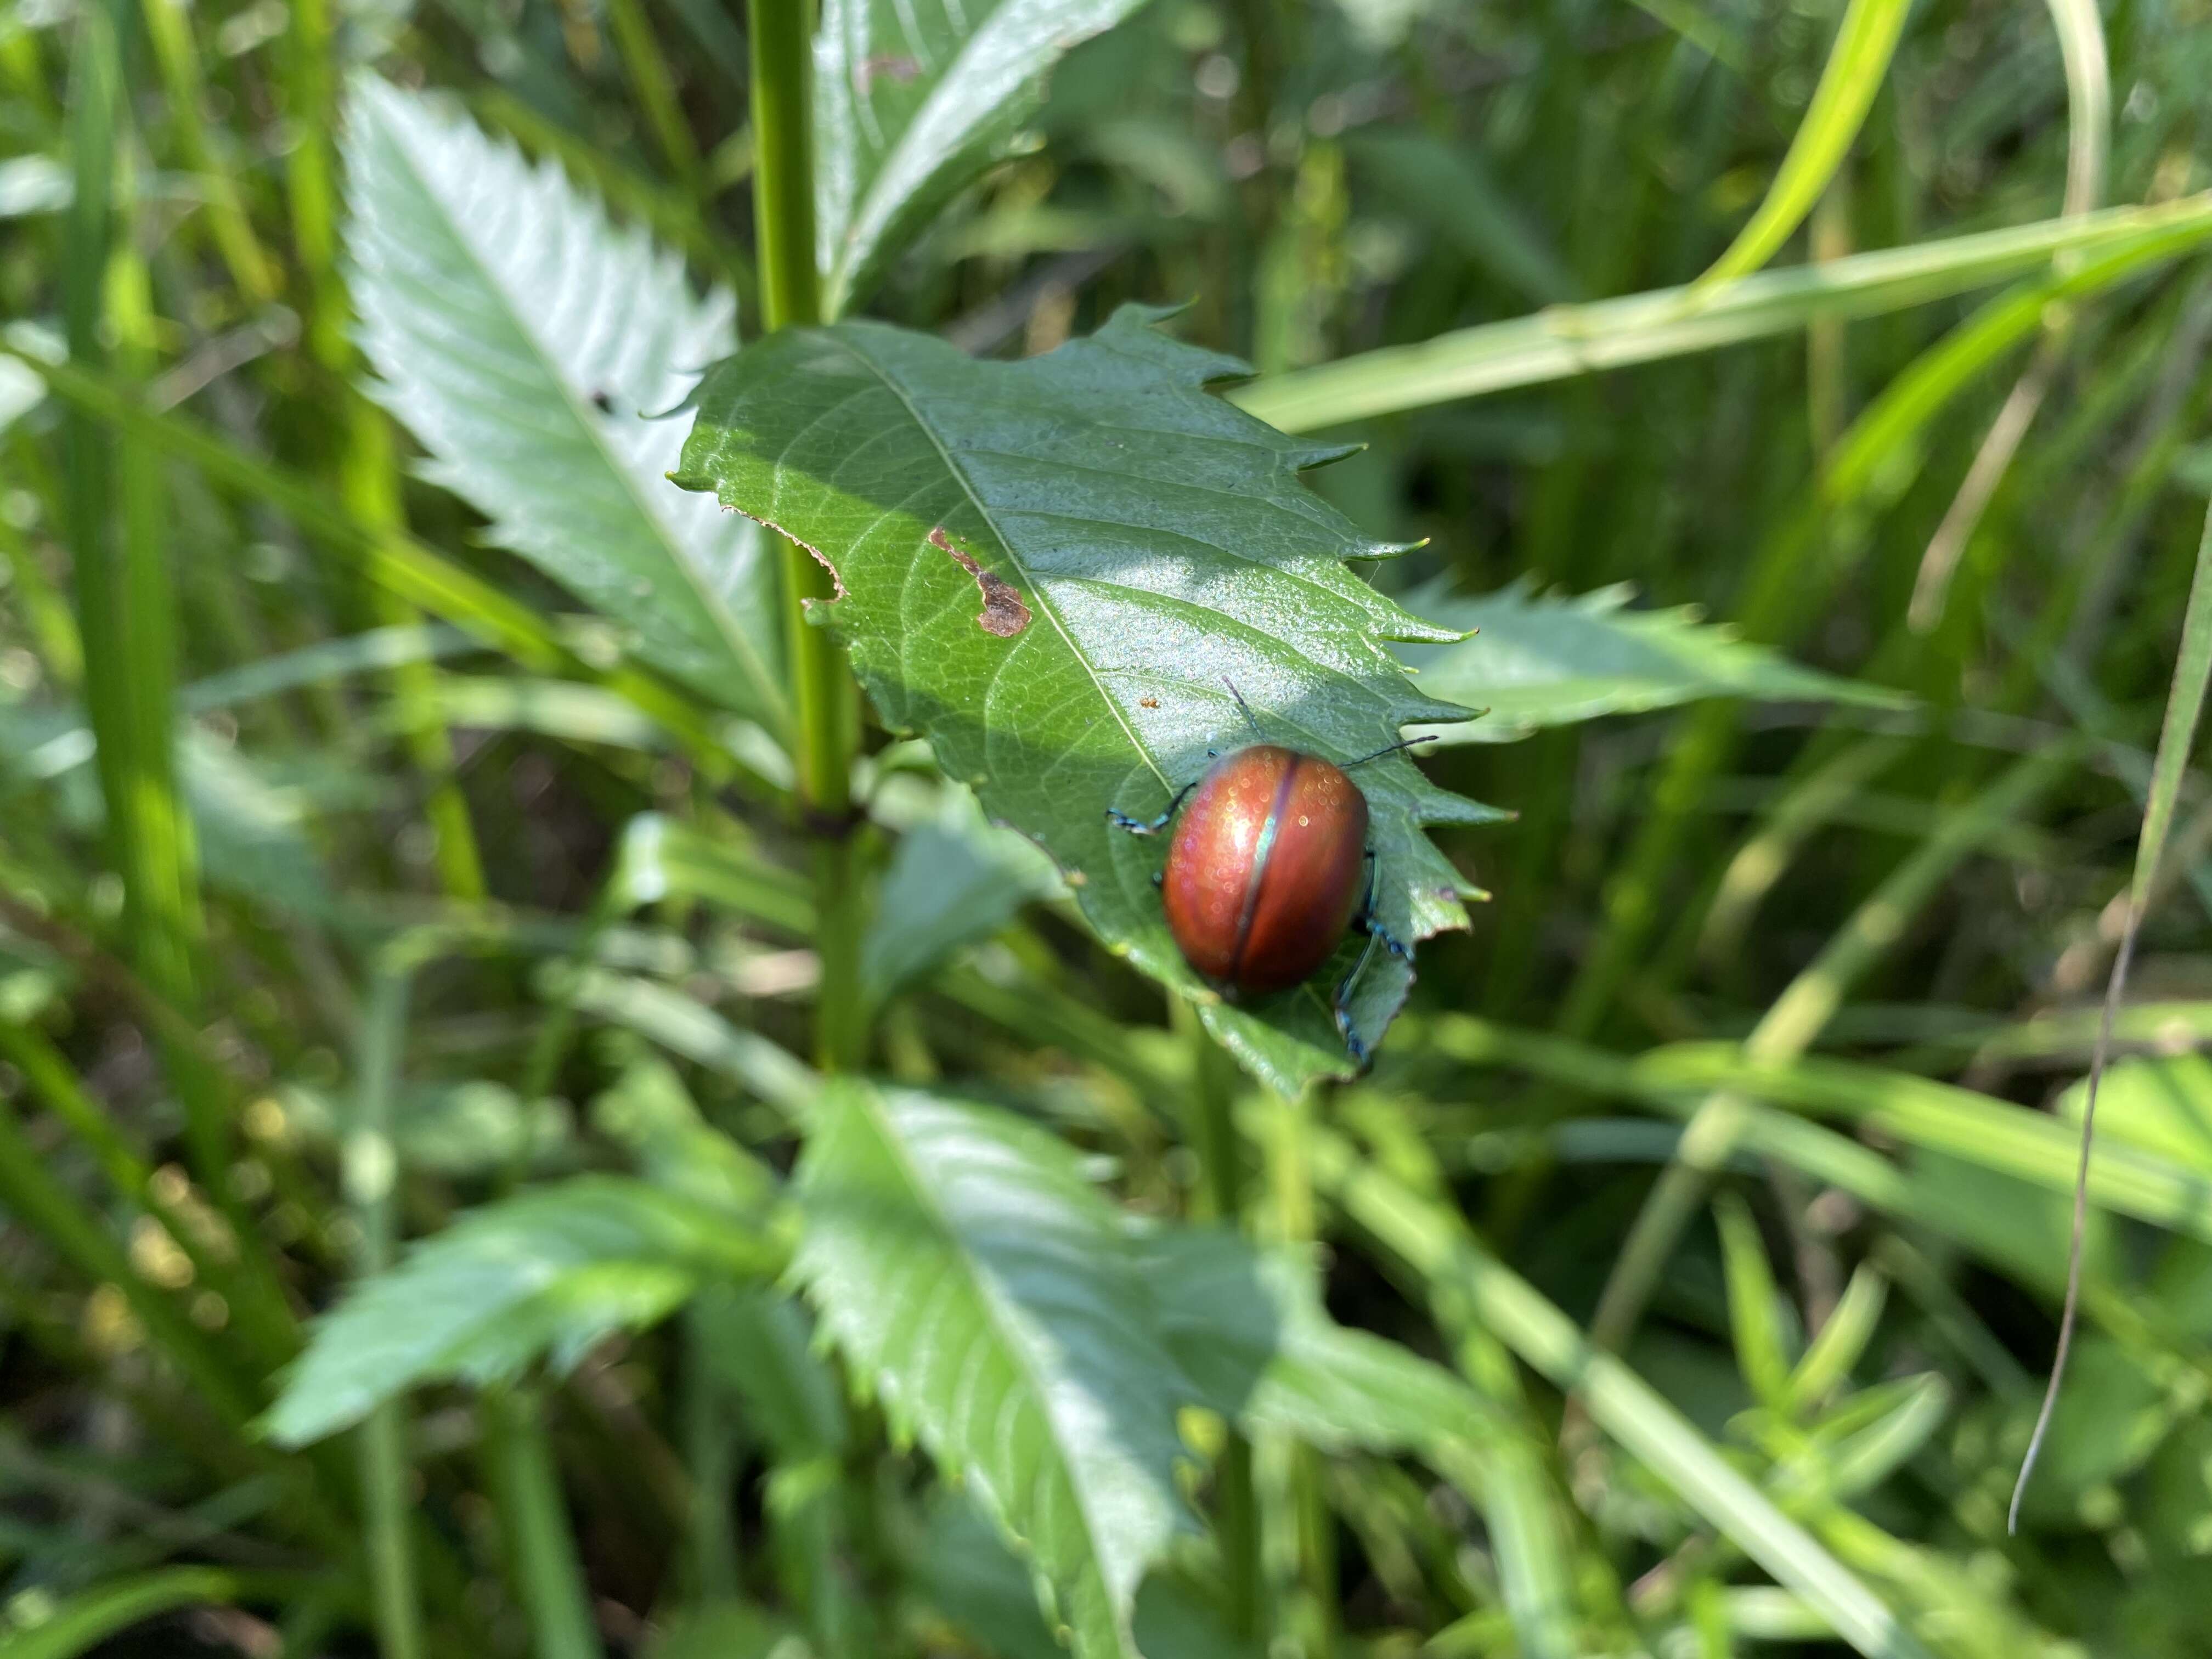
(370, 484)
(710, 1460)
(168, 24)
(310, 190)
(541, 1547)
(372, 1178)
(824, 697)
(1312, 1614)
(125, 607)
(1237, 1506)
(647, 66)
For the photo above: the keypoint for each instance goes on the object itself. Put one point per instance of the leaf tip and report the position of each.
(1308, 457)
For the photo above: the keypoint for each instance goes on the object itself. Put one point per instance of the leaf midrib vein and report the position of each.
(734, 637)
(1044, 603)
(987, 1290)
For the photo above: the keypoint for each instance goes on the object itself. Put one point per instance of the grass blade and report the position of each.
(125, 608)
(1564, 341)
(2184, 704)
(85, 1621)
(1431, 1240)
(1789, 1026)
(1860, 59)
(2088, 137)
(372, 1179)
(548, 1573)
(169, 27)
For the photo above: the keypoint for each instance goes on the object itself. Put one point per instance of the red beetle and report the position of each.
(1265, 871)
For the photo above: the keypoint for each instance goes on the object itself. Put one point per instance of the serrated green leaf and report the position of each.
(912, 101)
(531, 345)
(549, 1272)
(979, 1284)
(1537, 660)
(1056, 568)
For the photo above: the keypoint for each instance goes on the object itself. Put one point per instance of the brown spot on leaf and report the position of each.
(1003, 614)
(1148, 702)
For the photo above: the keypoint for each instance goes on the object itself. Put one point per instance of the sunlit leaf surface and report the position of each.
(1058, 569)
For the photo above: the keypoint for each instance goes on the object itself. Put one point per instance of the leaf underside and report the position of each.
(979, 1284)
(532, 347)
(1057, 569)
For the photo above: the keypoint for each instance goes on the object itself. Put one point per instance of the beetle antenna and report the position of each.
(1250, 719)
(1426, 737)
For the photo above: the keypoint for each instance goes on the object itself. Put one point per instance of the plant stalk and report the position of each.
(1235, 1499)
(541, 1545)
(1305, 1525)
(372, 1177)
(366, 459)
(823, 697)
(112, 511)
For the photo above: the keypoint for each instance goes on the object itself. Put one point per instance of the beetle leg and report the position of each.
(1122, 820)
(1371, 925)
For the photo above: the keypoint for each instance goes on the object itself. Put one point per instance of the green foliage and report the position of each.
(1532, 660)
(755, 1205)
(547, 1273)
(1253, 1340)
(1849, 84)
(37, 1629)
(978, 1283)
(954, 880)
(912, 103)
(1137, 550)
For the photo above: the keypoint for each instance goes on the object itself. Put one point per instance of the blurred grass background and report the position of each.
(345, 742)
